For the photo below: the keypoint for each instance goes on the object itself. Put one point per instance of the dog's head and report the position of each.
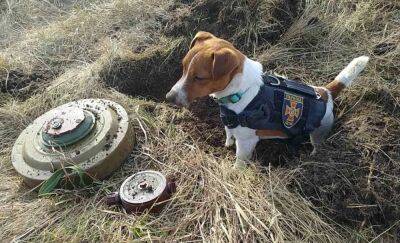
(208, 67)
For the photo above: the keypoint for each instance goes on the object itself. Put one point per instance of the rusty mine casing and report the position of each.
(93, 134)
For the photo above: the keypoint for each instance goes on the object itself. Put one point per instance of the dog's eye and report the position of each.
(198, 78)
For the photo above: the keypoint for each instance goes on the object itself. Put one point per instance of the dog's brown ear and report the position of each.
(225, 61)
(201, 36)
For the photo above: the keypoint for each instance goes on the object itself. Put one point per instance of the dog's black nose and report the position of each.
(170, 97)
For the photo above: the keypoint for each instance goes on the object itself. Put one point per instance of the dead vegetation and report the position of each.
(129, 51)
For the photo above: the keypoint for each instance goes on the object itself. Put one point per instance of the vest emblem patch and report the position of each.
(292, 109)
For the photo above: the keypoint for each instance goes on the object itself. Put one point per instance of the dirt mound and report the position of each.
(148, 73)
(22, 85)
(246, 23)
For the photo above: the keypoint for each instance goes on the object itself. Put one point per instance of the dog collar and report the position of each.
(233, 98)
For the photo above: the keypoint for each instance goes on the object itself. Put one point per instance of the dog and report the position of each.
(214, 67)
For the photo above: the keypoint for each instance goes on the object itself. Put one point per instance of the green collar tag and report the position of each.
(233, 98)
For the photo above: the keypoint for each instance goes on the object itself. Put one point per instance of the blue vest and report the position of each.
(281, 104)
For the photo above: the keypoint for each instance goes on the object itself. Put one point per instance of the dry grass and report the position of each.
(81, 49)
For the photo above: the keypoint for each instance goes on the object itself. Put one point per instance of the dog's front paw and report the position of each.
(240, 165)
(229, 142)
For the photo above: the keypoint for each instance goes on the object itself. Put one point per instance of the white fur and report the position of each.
(229, 137)
(318, 136)
(251, 80)
(181, 95)
(353, 69)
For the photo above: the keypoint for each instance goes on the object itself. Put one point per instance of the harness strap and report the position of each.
(232, 120)
(289, 85)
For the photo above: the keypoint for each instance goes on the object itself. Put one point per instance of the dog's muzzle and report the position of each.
(177, 97)
(171, 96)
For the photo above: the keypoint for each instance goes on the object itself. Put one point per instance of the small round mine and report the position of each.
(143, 187)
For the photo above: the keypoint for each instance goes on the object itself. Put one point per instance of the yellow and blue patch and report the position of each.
(292, 109)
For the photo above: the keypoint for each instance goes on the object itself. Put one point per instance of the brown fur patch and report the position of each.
(335, 87)
(271, 133)
(210, 65)
(201, 36)
(322, 92)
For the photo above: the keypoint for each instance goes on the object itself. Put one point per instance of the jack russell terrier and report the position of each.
(254, 105)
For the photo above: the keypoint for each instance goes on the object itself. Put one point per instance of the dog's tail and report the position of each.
(347, 75)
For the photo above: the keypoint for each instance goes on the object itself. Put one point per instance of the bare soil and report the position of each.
(22, 85)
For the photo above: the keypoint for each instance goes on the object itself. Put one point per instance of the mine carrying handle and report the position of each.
(113, 199)
(171, 186)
